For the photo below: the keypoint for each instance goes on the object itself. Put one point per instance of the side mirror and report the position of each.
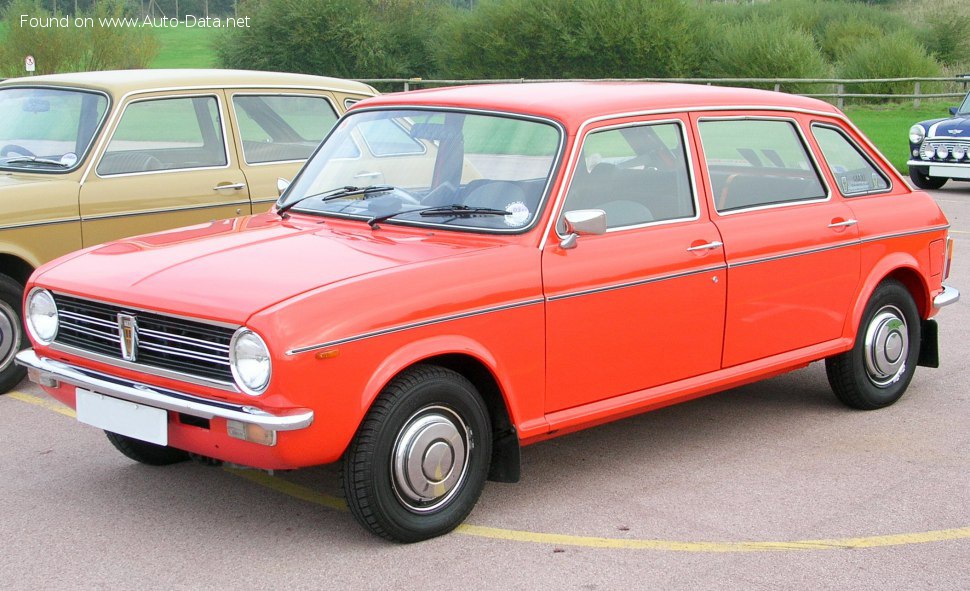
(583, 222)
(281, 185)
(953, 110)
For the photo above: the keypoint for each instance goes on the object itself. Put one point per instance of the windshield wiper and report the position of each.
(454, 210)
(462, 210)
(14, 159)
(338, 193)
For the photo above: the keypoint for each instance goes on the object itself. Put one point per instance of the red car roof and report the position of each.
(575, 102)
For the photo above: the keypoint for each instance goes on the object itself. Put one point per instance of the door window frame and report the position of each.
(222, 120)
(239, 137)
(862, 153)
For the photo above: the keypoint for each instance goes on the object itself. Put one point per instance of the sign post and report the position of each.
(29, 64)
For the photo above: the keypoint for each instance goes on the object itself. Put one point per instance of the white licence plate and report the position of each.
(950, 171)
(122, 417)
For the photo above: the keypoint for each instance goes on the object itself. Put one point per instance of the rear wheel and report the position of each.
(12, 337)
(145, 452)
(878, 369)
(419, 461)
(925, 181)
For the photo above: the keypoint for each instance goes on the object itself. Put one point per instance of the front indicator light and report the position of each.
(251, 433)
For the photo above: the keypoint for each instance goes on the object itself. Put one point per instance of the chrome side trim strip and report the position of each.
(147, 369)
(949, 295)
(790, 255)
(39, 224)
(113, 216)
(419, 324)
(55, 371)
(636, 283)
(904, 234)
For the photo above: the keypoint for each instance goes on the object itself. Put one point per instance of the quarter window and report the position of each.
(637, 175)
(753, 163)
(281, 128)
(854, 173)
(166, 134)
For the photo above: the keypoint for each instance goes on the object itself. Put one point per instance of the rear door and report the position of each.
(275, 133)
(792, 247)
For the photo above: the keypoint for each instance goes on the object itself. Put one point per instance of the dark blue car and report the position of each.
(940, 149)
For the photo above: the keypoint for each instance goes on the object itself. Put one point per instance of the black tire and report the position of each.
(924, 181)
(13, 337)
(881, 364)
(427, 413)
(145, 452)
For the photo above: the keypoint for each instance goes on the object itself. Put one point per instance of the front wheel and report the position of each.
(925, 181)
(877, 370)
(418, 463)
(12, 338)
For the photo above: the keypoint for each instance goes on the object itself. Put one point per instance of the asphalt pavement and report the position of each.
(771, 486)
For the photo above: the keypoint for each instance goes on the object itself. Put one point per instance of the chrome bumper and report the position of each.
(48, 372)
(948, 296)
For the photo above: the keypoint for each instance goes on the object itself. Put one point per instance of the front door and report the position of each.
(167, 164)
(643, 304)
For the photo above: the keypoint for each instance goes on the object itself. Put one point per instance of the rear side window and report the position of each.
(756, 163)
(854, 173)
(277, 128)
(166, 134)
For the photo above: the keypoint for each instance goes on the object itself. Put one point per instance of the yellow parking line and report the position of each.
(309, 495)
(42, 402)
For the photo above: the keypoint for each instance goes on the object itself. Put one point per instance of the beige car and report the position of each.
(90, 157)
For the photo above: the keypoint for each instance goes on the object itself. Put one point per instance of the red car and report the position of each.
(459, 272)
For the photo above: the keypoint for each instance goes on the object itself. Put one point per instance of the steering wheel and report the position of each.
(6, 150)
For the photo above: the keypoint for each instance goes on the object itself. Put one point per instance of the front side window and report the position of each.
(854, 173)
(637, 175)
(755, 163)
(431, 167)
(279, 128)
(47, 129)
(166, 134)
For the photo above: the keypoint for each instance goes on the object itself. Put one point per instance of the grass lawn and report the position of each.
(888, 126)
(182, 47)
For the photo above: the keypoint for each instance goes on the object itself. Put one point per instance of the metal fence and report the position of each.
(834, 90)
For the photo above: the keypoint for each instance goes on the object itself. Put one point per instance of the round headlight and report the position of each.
(250, 362)
(927, 152)
(942, 152)
(916, 134)
(959, 152)
(41, 316)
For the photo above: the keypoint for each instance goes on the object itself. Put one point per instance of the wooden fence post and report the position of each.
(916, 91)
(840, 90)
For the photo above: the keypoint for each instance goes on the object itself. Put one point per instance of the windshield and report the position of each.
(47, 129)
(430, 167)
(965, 107)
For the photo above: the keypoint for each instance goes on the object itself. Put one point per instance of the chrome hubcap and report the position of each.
(430, 458)
(9, 335)
(887, 346)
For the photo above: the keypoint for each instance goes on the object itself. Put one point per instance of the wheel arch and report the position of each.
(472, 361)
(902, 268)
(15, 267)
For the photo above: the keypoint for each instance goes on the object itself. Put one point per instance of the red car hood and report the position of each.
(229, 269)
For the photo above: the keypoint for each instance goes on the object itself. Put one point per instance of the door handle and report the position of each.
(843, 224)
(708, 246)
(227, 187)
